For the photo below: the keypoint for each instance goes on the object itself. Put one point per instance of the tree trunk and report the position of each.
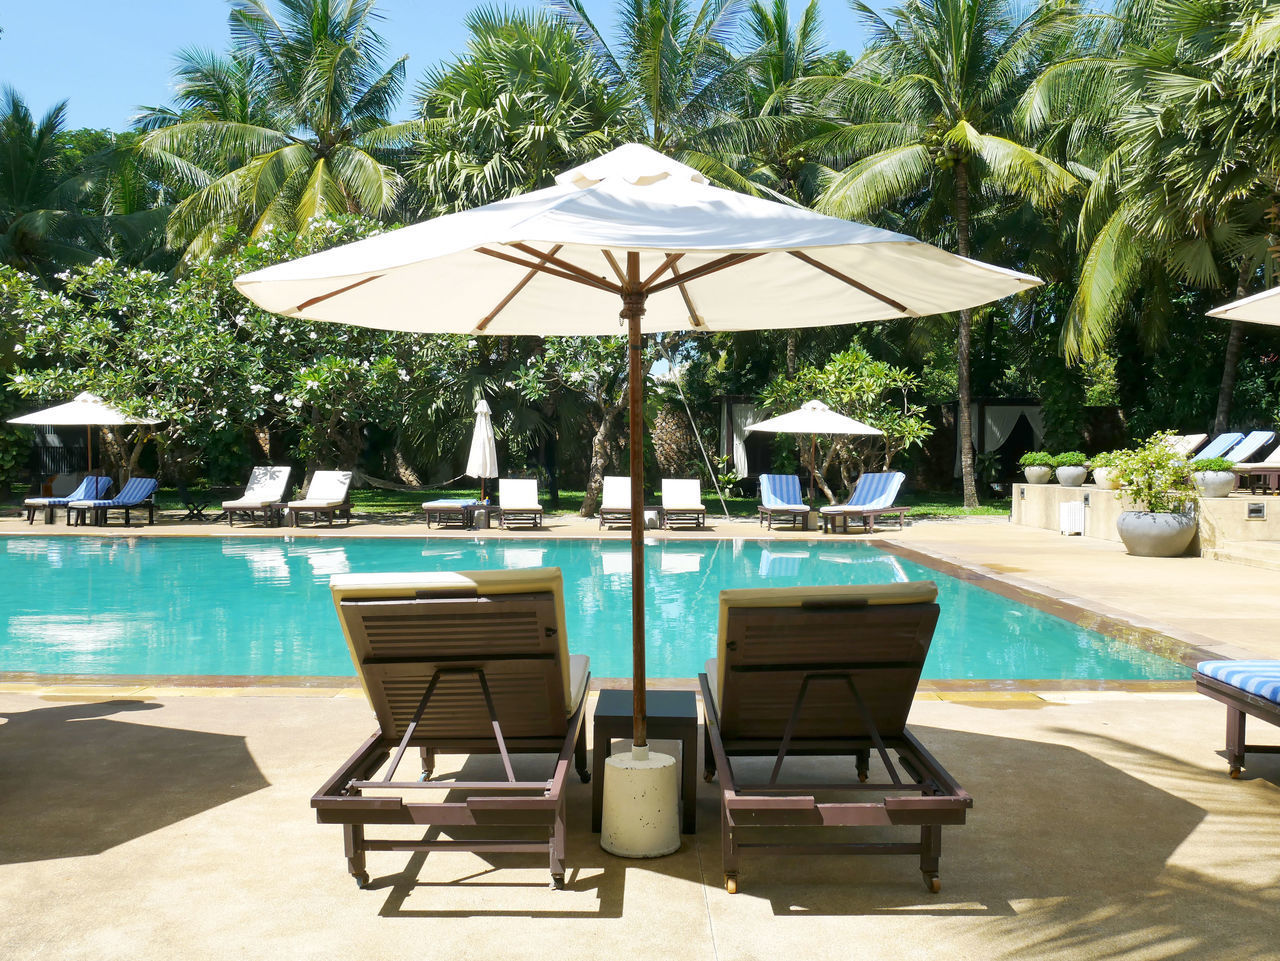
(792, 364)
(601, 446)
(1235, 341)
(964, 428)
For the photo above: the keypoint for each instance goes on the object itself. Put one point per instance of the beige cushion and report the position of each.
(907, 592)
(485, 583)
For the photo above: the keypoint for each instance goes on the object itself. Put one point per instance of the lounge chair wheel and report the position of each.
(557, 882)
(1235, 773)
(933, 883)
(731, 883)
(362, 880)
(584, 777)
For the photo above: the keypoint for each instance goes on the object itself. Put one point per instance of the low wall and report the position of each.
(1222, 519)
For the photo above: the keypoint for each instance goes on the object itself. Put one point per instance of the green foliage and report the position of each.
(1036, 458)
(1213, 464)
(1156, 477)
(1071, 458)
(1110, 458)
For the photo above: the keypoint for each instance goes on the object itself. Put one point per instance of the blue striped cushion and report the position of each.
(780, 491)
(1259, 678)
(138, 489)
(876, 491)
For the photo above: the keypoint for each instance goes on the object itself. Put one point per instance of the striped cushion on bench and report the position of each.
(1259, 678)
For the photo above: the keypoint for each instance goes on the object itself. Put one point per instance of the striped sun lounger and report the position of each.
(138, 492)
(1246, 688)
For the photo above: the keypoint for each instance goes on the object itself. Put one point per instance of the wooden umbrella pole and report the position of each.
(632, 310)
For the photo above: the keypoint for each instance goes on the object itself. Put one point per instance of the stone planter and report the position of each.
(1038, 475)
(1215, 483)
(1147, 534)
(1106, 478)
(1072, 476)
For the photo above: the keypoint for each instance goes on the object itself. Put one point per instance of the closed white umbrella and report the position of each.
(636, 230)
(86, 409)
(482, 462)
(814, 418)
(1263, 308)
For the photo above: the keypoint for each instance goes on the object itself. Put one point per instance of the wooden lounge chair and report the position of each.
(1219, 446)
(518, 502)
(328, 493)
(1246, 688)
(1187, 444)
(265, 492)
(1248, 448)
(873, 496)
(468, 662)
(682, 503)
(92, 487)
(137, 493)
(455, 510)
(615, 501)
(825, 671)
(780, 497)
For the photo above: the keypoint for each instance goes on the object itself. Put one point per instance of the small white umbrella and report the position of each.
(814, 418)
(482, 462)
(640, 231)
(1263, 308)
(86, 409)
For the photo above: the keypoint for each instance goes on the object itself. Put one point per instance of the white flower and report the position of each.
(312, 335)
(297, 402)
(279, 397)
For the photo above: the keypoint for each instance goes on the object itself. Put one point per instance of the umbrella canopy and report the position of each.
(814, 417)
(87, 410)
(1263, 308)
(638, 230)
(482, 462)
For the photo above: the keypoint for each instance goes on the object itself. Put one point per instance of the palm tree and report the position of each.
(928, 120)
(291, 127)
(1182, 97)
(521, 105)
(42, 227)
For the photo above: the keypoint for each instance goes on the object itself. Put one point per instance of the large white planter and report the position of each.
(1148, 534)
(1106, 478)
(1037, 475)
(1215, 483)
(1072, 476)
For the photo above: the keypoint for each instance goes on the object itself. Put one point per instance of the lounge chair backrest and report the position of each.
(100, 489)
(1219, 446)
(770, 638)
(1250, 446)
(403, 628)
(780, 491)
(267, 484)
(88, 489)
(329, 485)
(137, 489)
(1187, 444)
(517, 493)
(681, 493)
(874, 491)
(616, 494)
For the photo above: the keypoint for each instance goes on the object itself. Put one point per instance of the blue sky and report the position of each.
(107, 59)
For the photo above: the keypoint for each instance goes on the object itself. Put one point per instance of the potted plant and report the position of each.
(1214, 476)
(1037, 466)
(1070, 468)
(1162, 493)
(1105, 474)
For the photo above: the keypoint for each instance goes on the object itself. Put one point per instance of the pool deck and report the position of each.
(140, 822)
(1104, 826)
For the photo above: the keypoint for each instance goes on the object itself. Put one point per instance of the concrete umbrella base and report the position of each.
(641, 817)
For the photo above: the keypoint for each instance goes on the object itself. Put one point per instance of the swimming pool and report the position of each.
(259, 606)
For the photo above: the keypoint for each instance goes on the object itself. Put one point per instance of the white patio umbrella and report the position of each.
(482, 462)
(86, 409)
(814, 418)
(1263, 308)
(636, 230)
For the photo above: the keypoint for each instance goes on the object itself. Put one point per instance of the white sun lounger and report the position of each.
(615, 501)
(682, 503)
(265, 489)
(326, 494)
(518, 501)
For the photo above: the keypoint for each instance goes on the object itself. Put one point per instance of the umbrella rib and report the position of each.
(563, 264)
(617, 269)
(670, 261)
(587, 281)
(694, 319)
(844, 278)
(511, 295)
(722, 263)
(334, 293)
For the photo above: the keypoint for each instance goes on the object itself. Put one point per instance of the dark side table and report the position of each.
(672, 716)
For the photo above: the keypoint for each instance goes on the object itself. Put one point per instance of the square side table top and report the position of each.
(658, 704)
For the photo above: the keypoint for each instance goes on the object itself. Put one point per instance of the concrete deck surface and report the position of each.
(1104, 826)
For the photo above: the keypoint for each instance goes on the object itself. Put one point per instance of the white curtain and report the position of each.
(1000, 421)
(744, 415)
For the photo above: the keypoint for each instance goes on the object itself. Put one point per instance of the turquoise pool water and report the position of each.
(250, 606)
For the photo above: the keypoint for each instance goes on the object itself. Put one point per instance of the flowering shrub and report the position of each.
(1156, 477)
